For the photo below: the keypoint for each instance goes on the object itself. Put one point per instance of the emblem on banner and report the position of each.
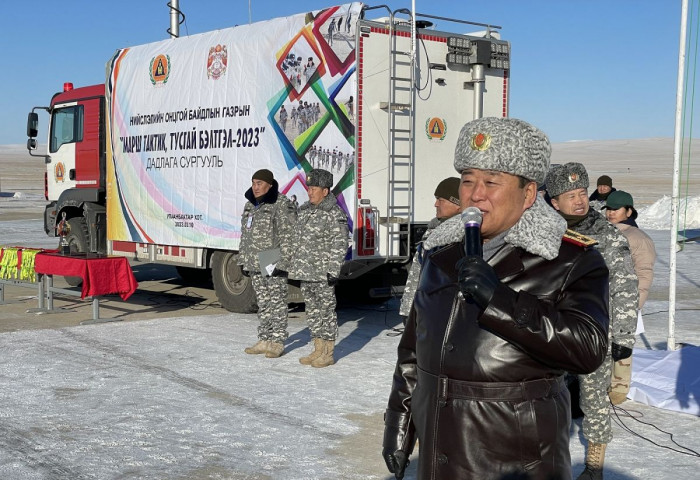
(436, 128)
(160, 69)
(59, 172)
(217, 61)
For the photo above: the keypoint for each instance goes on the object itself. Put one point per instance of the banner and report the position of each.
(191, 119)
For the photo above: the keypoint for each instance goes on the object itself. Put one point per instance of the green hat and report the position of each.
(619, 199)
(604, 180)
(449, 189)
(265, 175)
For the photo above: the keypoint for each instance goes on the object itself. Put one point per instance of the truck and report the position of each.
(154, 163)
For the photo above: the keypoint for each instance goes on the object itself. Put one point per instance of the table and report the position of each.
(101, 274)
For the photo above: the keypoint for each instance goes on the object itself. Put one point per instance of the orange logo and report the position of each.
(480, 141)
(59, 172)
(436, 128)
(160, 69)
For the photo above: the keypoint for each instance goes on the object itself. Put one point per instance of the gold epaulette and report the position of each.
(578, 239)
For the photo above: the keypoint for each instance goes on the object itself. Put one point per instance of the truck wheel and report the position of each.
(195, 276)
(77, 241)
(233, 289)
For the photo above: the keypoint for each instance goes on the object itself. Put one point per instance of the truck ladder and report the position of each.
(401, 112)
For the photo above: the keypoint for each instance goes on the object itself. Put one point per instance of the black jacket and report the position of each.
(484, 390)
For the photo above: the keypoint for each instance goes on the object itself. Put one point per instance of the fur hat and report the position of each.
(566, 177)
(604, 180)
(503, 144)
(319, 178)
(265, 175)
(449, 189)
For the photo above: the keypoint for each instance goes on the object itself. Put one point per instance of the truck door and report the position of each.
(65, 132)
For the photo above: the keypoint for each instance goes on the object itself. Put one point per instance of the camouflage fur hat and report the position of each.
(319, 178)
(567, 177)
(503, 144)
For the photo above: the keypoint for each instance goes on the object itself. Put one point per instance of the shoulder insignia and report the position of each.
(578, 239)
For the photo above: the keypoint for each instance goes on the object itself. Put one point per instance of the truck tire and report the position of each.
(233, 289)
(78, 242)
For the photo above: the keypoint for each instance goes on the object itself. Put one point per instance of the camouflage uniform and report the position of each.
(268, 223)
(409, 290)
(320, 246)
(614, 247)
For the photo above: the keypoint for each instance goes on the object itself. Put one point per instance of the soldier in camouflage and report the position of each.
(446, 206)
(267, 223)
(320, 246)
(567, 186)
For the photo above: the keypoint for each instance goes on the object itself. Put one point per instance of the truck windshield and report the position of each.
(66, 126)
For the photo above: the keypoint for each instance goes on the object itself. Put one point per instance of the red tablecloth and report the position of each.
(101, 274)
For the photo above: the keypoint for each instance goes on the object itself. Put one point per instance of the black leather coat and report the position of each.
(484, 390)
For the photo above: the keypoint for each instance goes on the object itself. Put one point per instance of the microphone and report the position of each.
(471, 218)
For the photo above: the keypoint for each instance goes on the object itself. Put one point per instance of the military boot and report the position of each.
(259, 347)
(318, 350)
(274, 349)
(326, 357)
(594, 462)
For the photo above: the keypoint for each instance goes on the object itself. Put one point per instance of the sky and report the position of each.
(581, 70)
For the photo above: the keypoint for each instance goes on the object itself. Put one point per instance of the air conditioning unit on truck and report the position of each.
(154, 164)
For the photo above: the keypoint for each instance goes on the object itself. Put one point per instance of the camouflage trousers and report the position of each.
(595, 403)
(320, 309)
(271, 293)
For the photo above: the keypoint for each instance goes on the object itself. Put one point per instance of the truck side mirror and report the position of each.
(32, 125)
(31, 144)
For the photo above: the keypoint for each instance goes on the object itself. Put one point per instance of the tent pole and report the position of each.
(671, 340)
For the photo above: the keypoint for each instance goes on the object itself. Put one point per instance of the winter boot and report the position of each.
(274, 349)
(326, 357)
(594, 462)
(318, 350)
(259, 347)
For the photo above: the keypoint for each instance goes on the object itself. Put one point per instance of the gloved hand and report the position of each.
(332, 281)
(399, 439)
(619, 352)
(279, 273)
(477, 280)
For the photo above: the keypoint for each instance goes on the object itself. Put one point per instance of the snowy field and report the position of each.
(176, 398)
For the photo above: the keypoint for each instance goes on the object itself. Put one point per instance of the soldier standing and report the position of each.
(283, 118)
(567, 185)
(320, 246)
(446, 206)
(267, 225)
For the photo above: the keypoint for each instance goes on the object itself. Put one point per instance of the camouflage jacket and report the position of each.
(320, 241)
(624, 293)
(409, 289)
(266, 224)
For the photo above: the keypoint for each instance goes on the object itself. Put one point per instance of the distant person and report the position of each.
(347, 21)
(446, 206)
(331, 30)
(320, 246)
(621, 213)
(351, 106)
(603, 189)
(567, 185)
(267, 225)
(479, 377)
(283, 118)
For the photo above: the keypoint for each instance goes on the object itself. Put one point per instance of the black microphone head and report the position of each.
(471, 216)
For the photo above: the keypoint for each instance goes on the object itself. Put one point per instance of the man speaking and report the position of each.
(480, 373)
